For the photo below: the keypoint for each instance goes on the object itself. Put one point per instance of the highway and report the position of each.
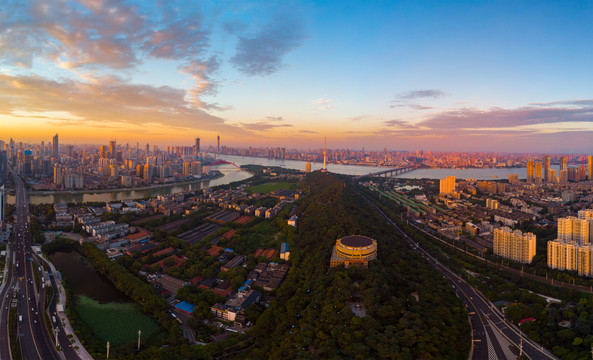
(485, 318)
(34, 337)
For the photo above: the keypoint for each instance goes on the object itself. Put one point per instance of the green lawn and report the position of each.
(269, 187)
(115, 322)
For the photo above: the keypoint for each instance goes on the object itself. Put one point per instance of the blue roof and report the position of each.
(229, 250)
(185, 307)
(284, 247)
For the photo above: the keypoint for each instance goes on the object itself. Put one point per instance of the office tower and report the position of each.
(102, 151)
(55, 145)
(546, 168)
(538, 173)
(197, 147)
(147, 173)
(447, 185)
(58, 176)
(562, 256)
(28, 163)
(196, 168)
(147, 150)
(3, 167)
(112, 147)
(2, 205)
(514, 245)
(530, 172)
(590, 175)
(217, 143)
(563, 163)
(186, 168)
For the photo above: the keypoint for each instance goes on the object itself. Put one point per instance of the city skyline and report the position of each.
(497, 77)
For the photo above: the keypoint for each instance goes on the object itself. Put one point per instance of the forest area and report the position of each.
(411, 313)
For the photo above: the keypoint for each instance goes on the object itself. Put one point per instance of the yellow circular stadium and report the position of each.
(354, 249)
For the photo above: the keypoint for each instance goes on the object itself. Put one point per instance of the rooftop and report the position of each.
(356, 241)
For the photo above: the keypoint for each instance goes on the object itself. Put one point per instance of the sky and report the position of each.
(501, 76)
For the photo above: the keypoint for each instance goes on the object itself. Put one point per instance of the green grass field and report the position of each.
(269, 187)
(115, 322)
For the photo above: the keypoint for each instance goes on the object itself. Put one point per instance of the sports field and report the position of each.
(117, 323)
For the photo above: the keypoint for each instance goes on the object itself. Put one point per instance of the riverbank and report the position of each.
(140, 188)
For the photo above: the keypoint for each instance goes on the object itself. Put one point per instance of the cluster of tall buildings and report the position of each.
(539, 172)
(514, 244)
(573, 249)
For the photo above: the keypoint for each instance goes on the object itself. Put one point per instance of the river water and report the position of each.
(231, 174)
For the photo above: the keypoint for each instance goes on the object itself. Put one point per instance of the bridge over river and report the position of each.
(388, 172)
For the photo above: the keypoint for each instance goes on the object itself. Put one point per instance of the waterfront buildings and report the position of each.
(514, 244)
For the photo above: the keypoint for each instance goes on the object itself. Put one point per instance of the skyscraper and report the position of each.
(55, 145)
(2, 204)
(547, 168)
(538, 173)
(197, 146)
(112, 147)
(563, 163)
(530, 171)
(590, 167)
(217, 143)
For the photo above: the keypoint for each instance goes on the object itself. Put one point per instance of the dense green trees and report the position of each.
(311, 316)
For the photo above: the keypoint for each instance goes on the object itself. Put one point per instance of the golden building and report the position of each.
(353, 250)
(447, 185)
(514, 245)
(562, 256)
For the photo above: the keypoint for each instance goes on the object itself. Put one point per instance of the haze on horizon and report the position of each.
(404, 75)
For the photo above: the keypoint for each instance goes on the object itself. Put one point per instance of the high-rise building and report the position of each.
(102, 151)
(513, 178)
(308, 167)
(573, 230)
(2, 205)
(538, 173)
(147, 173)
(563, 165)
(217, 143)
(546, 168)
(530, 172)
(55, 145)
(514, 245)
(58, 175)
(3, 167)
(197, 146)
(112, 147)
(562, 256)
(447, 185)
(590, 163)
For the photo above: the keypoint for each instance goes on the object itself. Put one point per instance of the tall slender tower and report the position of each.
(217, 143)
(197, 147)
(112, 147)
(55, 147)
(324, 154)
(590, 163)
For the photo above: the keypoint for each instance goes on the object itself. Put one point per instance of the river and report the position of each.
(231, 174)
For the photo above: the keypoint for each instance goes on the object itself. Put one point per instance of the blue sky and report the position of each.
(405, 75)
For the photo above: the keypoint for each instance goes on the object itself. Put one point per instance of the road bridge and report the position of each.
(388, 172)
